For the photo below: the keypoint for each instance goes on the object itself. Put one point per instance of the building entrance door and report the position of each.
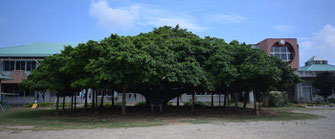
(306, 93)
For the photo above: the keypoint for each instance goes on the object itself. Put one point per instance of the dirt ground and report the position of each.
(310, 129)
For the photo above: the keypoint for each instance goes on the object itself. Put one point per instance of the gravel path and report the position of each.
(307, 129)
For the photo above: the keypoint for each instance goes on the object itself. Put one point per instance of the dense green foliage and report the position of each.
(161, 64)
(325, 83)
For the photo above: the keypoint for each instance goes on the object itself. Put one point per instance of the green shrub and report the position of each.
(196, 103)
(278, 99)
(331, 100)
(170, 104)
(140, 104)
(109, 104)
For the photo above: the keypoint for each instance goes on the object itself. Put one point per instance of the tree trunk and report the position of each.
(219, 99)
(93, 99)
(245, 99)
(228, 102)
(63, 103)
(96, 99)
(178, 101)
(212, 100)
(72, 102)
(255, 103)
(193, 101)
(112, 98)
(225, 100)
(259, 103)
(75, 100)
(43, 97)
(57, 103)
(86, 92)
(123, 107)
(102, 99)
(235, 96)
(147, 101)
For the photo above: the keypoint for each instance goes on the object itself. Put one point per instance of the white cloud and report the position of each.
(230, 18)
(321, 44)
(285, 28)
(113, 19)
(126, 18)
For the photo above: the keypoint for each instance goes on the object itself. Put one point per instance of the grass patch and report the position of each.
(45, 119)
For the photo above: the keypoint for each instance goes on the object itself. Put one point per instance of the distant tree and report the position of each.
(325, 82)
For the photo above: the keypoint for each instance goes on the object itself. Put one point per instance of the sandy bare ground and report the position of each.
(307, 129)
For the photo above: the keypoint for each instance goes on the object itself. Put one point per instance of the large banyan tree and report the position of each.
(161, 65)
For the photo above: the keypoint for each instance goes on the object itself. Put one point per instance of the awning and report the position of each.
(5, 78)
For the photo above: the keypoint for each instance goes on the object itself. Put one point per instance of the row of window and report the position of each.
(19, 65)
(285, 57)
(280, 49)
(283, 53)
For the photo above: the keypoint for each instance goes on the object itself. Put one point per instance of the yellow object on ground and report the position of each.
(34, 106)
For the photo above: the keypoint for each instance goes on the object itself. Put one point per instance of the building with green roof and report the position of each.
(305, 91)
(17, 62)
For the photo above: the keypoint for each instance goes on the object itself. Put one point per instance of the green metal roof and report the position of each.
(40, 49)
(5, 78)
(318, 67)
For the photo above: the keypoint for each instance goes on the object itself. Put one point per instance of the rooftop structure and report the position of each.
(316, 63)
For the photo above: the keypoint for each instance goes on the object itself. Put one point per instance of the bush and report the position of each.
(170, 104)
(140, 104)
(331, 100)
(196, 103)
(109, 104)
(278, 99)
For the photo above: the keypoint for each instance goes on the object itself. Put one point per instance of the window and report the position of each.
(8, 65)
(31, 65)
(20, 65)
(283, 52)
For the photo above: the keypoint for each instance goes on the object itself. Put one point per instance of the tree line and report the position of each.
(162, 64)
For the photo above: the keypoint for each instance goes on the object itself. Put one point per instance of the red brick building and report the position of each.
(286, 49)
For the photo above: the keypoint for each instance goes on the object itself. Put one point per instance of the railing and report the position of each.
(306, 73)
(9, 73)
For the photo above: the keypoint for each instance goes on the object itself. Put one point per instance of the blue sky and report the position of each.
(311, 22)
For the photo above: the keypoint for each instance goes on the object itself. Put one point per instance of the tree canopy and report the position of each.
(325, 83)
(162, 64)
